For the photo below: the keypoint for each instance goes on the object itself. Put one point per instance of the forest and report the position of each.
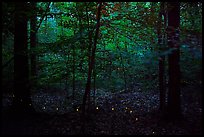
(101, 68)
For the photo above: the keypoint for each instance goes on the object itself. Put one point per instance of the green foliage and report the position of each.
(127, 49)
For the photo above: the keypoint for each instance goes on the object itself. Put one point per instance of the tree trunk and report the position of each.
(73, 72)
(22, 100)
(89, 51)
(94, 86)
(123, 68)
(33, 26)
(161, 60)
(88, 84)
(174, 104)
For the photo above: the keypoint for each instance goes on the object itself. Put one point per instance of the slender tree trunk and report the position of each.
(89, 63)
(88, 84)
(161, 60)
(43, 16)
(124, 74)
(33, 25)
(67, 74)
(82, 45)
(22, 100)
(89, 52)
(73, 73)
(123, 68)
(110, 68)
(174, 104)
(94, 85)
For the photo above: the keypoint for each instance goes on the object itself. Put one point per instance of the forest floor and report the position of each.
(121, 113)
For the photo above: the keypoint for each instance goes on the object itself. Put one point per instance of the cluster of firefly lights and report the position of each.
(20, 100)
(126, 108)
(56, 108)
(96, 109)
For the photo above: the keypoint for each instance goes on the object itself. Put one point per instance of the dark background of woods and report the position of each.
(80, 58)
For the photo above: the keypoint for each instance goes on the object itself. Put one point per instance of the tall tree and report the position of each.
(174, 103)
(22, 100)
(73, 70)
(90, 35)
(91, 65)
(161, 59)
(33, 27)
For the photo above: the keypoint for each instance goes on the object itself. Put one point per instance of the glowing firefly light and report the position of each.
(136, 119)
(21, 100)
(130, 111)
(43, 107)
(113, 109)
(96, 107)
(153, 132)
(77, 109)
(13, 96)
(56, 108)
(126, 108)
(29, 104)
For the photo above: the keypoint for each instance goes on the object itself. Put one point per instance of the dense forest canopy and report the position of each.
(82, 50)
(128, 30)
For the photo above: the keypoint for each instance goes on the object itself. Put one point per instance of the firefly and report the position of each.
(29, 104)
(77, 109)
(43, 107)
(130, 111)
(13, 96)
(136, 119)
(126, 108)
(56, 108)
(96, 107)
(113, 109)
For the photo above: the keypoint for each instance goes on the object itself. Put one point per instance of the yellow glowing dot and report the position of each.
(130, 111)
(77, 109)
(56, 108)
(112, 108)
(13, 96)
(43, 107)
(29, 104)
(126, 108)
(153, 132)
(96, 107)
